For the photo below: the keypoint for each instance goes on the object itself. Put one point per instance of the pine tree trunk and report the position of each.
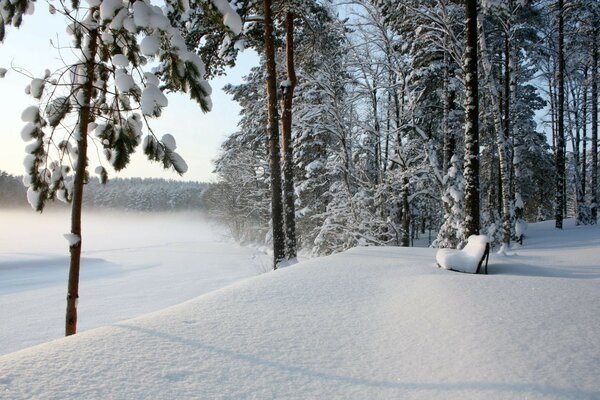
(584, 108)
(449, 140)
(560, 134)
(471, 165)
(273, 139)
(508, 77)
(286, 142)
(594, 145)
(79, 180)
(501, 140)
(582, 217)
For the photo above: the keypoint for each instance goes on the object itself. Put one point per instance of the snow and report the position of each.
(151, 78)
(72, 239)
(123, 81)
(33, 197)
(169, 141)
(152, 99)
(369, 323)
(465, 260)
(28, 131)
(108, 9)
(149, 45)
(120, 60)
(36, 88)
(231, 19)
(107, 38)
(132, 264)
(178, 163)
(141, 14)
(520, 228)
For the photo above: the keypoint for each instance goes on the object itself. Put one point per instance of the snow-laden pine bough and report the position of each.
(470, 259)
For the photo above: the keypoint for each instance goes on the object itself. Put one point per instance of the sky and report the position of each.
(198, 135)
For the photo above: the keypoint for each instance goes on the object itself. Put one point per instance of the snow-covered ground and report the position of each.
(132, 264)
(370, 323)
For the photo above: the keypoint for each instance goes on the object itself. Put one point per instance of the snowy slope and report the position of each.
(370, 323)
(132, 264)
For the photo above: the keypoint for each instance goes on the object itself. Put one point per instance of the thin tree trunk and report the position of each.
(584, 136)
(80, 173)
(405, 241)
(582, 217)
(471, 169)
(449, 140)
(273, 138)
(594, 145)
(501, 140)
(286, 142)
(560, 136)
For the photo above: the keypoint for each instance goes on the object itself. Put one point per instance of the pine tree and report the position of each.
(108, 98)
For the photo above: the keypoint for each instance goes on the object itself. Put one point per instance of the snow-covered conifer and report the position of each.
(105, 99)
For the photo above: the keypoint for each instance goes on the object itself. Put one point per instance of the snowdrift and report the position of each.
(370, 323)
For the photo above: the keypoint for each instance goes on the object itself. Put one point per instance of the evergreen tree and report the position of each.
(106, 97)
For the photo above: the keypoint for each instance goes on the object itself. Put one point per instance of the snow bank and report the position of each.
(370, 323)
(465, 260)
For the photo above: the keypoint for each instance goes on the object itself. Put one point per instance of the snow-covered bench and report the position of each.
(469, 259)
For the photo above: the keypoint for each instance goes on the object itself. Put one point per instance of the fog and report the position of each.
(132, 264)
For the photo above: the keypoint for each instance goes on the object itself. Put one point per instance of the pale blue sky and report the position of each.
(198, 135)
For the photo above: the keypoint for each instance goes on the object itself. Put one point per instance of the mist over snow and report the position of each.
(132, 263)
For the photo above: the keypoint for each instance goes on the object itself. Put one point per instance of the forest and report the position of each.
(128, 194)
(365, 122)
(401, 122)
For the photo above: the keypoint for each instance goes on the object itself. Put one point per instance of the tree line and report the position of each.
(128, 194)
(463, 117)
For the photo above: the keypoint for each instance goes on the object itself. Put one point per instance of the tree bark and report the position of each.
(594, 144)
(584, 109)
(79, 180)
(501, 140)
(560, 134)
(471, 140)
(286, 142)
(273, 140)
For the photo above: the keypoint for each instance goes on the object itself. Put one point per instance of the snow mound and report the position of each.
(465, 260)
(370, 323)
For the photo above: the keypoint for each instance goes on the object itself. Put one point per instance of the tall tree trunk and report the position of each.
(594, 145)
(79, 180)
(448, 101)
(273, 138)
(471, 169)
(501, 140)
(560, 134)
(286, 142)
(582, 217)
(584, 108)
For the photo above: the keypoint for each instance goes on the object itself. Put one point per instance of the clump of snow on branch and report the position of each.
(124, 37)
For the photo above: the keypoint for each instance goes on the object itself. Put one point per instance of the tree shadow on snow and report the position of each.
(520, 390)
(591, 271)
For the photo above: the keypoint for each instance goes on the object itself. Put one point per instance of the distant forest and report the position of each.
(135, 194)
